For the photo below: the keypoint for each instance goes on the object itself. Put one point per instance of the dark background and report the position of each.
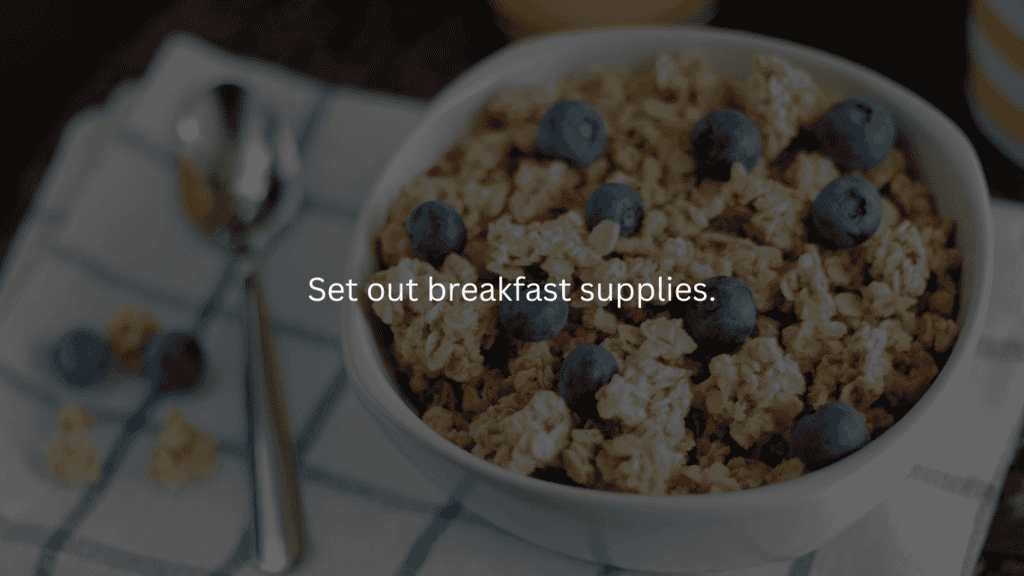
(57, 58)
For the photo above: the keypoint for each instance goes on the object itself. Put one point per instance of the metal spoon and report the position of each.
(240, 181)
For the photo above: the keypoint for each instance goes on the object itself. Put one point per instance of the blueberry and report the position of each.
(725, 318)
(533, 321)
(829, 433)
(82, 357)
(856, 134)
(847, 212)
(175, 361)
(584, 371)
(435, 230)
(721, 139)
(618, 202)
(573, 130)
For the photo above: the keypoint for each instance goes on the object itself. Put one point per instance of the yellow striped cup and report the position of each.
(995, 82)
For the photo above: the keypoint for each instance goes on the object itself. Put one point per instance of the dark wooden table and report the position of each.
(58, 58)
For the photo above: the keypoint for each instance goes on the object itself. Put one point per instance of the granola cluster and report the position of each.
(74, 457)
(184, 454)
(129, 330)
(868, 326)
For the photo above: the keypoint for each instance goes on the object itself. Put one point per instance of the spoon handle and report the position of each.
(279, 537)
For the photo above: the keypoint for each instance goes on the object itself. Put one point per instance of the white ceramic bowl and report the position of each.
(677, 533)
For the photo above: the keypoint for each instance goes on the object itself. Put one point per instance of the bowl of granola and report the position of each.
(670, 299)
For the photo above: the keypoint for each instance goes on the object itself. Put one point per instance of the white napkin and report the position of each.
(105, 230)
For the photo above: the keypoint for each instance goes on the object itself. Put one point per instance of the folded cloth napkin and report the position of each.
(106, 230)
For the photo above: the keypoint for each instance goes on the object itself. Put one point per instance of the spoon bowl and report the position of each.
(239, 169)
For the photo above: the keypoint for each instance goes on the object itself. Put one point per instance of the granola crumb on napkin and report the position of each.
(74, 458)
(184, 454)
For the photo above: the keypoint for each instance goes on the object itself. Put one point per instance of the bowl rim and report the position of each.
(490, 71)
